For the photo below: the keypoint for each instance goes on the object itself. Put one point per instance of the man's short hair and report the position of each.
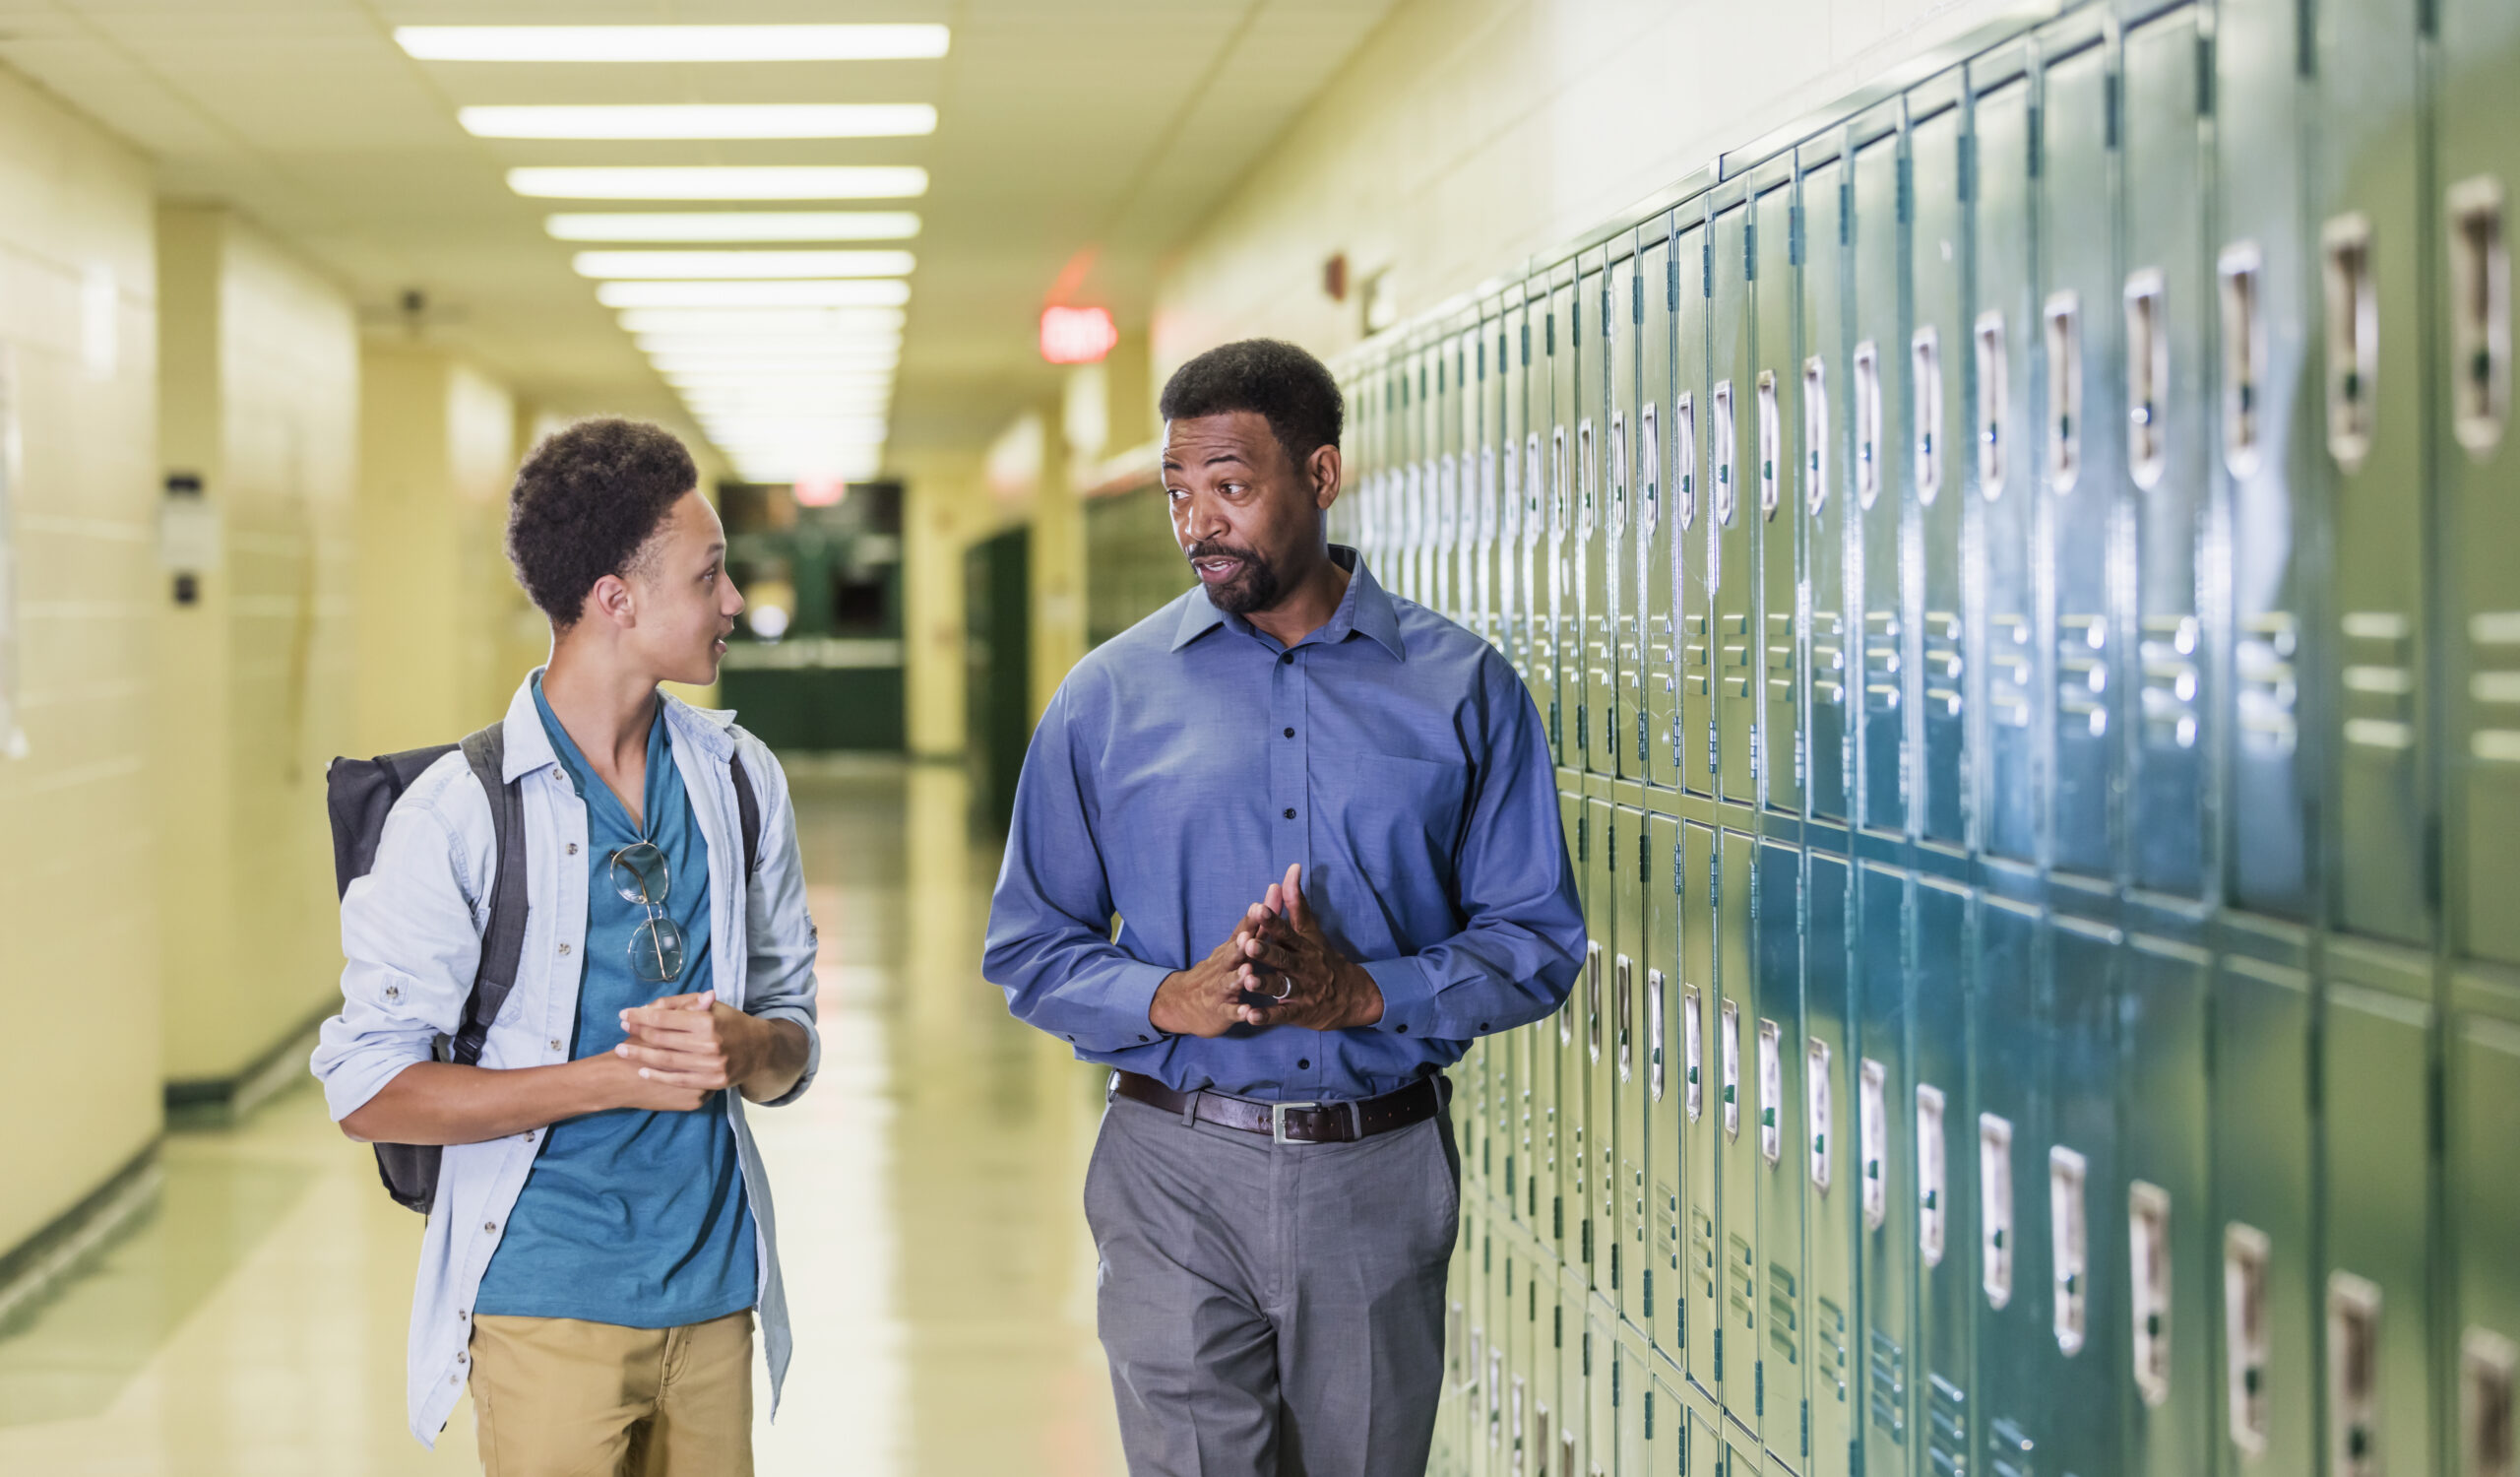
(588, 498)
(1290, 388)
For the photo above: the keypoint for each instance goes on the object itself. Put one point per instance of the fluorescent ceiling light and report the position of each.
(653, 265)
(672, 43)
(734, 225)
(856, 293)
(720, 181)
(763, 370)
(701, 120)
(762, 321)
(886, 348)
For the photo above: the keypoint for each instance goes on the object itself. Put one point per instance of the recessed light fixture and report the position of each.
(672, 43)
(850, 292)
(729, 265)
(770, 321)
(736, 225)
(720, 181)
(700, 120)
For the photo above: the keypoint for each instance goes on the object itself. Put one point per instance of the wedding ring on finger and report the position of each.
(1290, 981)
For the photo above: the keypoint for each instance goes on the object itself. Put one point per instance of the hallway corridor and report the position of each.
(937, 1266)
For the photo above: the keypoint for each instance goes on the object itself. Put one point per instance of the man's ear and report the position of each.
(613, 600)
(1322, 468)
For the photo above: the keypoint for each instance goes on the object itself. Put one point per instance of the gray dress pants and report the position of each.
(1272, 1309)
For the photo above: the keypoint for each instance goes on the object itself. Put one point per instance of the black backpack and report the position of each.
(359, 794)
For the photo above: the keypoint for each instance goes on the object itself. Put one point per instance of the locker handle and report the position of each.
(1932, 1160)
(1771, 444)
(2070, 1244)
(1684, 456)
(2353, 1374)
(1593, 1000)
(1820, 1110)
(1925, 363)
(2148, 1266)
(1650, 516)
(1872, 1126)
(2147, 377)
(1557, 474)
(1729, 1043)
(1587, 478)
(2245, 1335)
(2480, 297)
(2064, 314)
(1994, 1208)
(1533, 493)
(2353, 348)
(1723, 452)
(2240, 268)
(1692, 1052)
(1815, 433)
(1771, 1092)
(1867, 425)
(1625, 1006)
(1618, 471)
(1993, 394)
(2486, 1361)
(1654, 1033)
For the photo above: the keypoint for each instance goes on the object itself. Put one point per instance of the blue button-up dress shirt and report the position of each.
(1186, 764)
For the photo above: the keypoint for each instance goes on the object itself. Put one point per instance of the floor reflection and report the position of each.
(938, 1272)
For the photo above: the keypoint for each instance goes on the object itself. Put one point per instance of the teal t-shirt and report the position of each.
(630, 1216)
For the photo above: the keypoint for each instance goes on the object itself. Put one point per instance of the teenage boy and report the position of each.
(603, 1235)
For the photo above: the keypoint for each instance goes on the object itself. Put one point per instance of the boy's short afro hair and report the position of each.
(588, 498)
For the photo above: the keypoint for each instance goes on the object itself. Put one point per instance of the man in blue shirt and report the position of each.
(603, 1232)
(1326, 822)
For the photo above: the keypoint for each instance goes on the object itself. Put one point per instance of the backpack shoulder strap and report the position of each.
(748, 812)
(503, 940)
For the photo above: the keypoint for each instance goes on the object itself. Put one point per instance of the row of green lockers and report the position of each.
(2025, 583)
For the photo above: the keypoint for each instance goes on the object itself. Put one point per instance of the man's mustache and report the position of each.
(1211, 550)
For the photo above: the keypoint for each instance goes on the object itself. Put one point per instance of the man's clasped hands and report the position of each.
(1279, 969)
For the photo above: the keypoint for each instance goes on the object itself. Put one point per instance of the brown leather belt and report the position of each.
(1295, 1122)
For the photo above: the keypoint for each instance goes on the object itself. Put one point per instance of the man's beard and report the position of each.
(1256, 587)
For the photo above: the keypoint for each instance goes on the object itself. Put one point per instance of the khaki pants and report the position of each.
(561, 1398)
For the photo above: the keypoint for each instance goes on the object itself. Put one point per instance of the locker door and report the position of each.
(2165, 302)
(1732, 481)
(1563, 336)
(1602, 1371)
(1479, 429)
(1432, 394)
(2485, 1204)
(1702, 1319)
(1615, 749)
(1666, 1429)
(1483, 1431)
(1828, 1170)
(1563, 1109)
(1448, 446)
(2166, 1234)
(1821, 392)
(2002, 1149)
(2010, 660)
(1884, 1136)
(1788, 1384)
(1663, 1290)
(1692, 474)
(1937, 479)
(2375, 1073)
(1543, 507)
(1947, 1283)
(1743, 1255)
(1412, 450)
(2368, 210)
(1514, 532)
(1574, 1376)
(2478, 163)
(1632, 1399)
(1776, 396)
(2085, 1352)
(1877, 388)
(1594, 666)
(2265, 275)
(1656, 565)
(2262, 1119)
(1632, 981)
(1601, 1049)
(2079, 330)
(1464, 1352)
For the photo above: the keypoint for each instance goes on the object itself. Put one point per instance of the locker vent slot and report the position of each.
(1924, 362)
(2148, 1279)
(2008, 670)
(1994, 1208)
(1742, 1282)
(1942, 664)
(2082, 673)
(1828, 659)
(1654, 1033)
(1692, 1052)
(1815, 434)
(2378, 679)
(1770, 1093)
(1946, 1428)
(1728, 1042)
(2353, 1374)
(1868, 423)
(2352, 338)
(1626, 1001)
(2480, 291)
(2262, 661)
(1887, 1389)
(2010, 1452)
(1830, 1322)
(2064, 391)
(1933, 1189)
(2244, 1340)
(1771, 444)
(2147, 377)
(2069, 1252)
(1785, 1325)
(1818, 1109)
(1723, 452)
(1872, 1124)
(1994, 392)
(2240, 270)
(1684, 455)
(2486, 1361)
(1593, 1000)
(2170, 653)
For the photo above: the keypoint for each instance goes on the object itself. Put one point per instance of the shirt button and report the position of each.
(490, 1226)
(1402, 1030)
(573, 848)
(1289, 658)
(1141, 1038)
(1291, 732)
(564, 948)
(1290, 813)
(1303, 1063)
(555, 1043)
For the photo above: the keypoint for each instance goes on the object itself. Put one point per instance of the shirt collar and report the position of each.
(528, 746)
(1364, 611)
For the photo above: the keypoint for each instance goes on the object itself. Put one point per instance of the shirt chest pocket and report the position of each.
(1401, 810)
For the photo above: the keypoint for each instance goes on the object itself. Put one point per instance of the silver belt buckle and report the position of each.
(1278, 1121)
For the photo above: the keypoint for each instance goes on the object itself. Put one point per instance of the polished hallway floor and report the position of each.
(938, 1270)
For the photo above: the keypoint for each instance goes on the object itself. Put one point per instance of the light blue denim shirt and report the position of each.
(411, 931)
